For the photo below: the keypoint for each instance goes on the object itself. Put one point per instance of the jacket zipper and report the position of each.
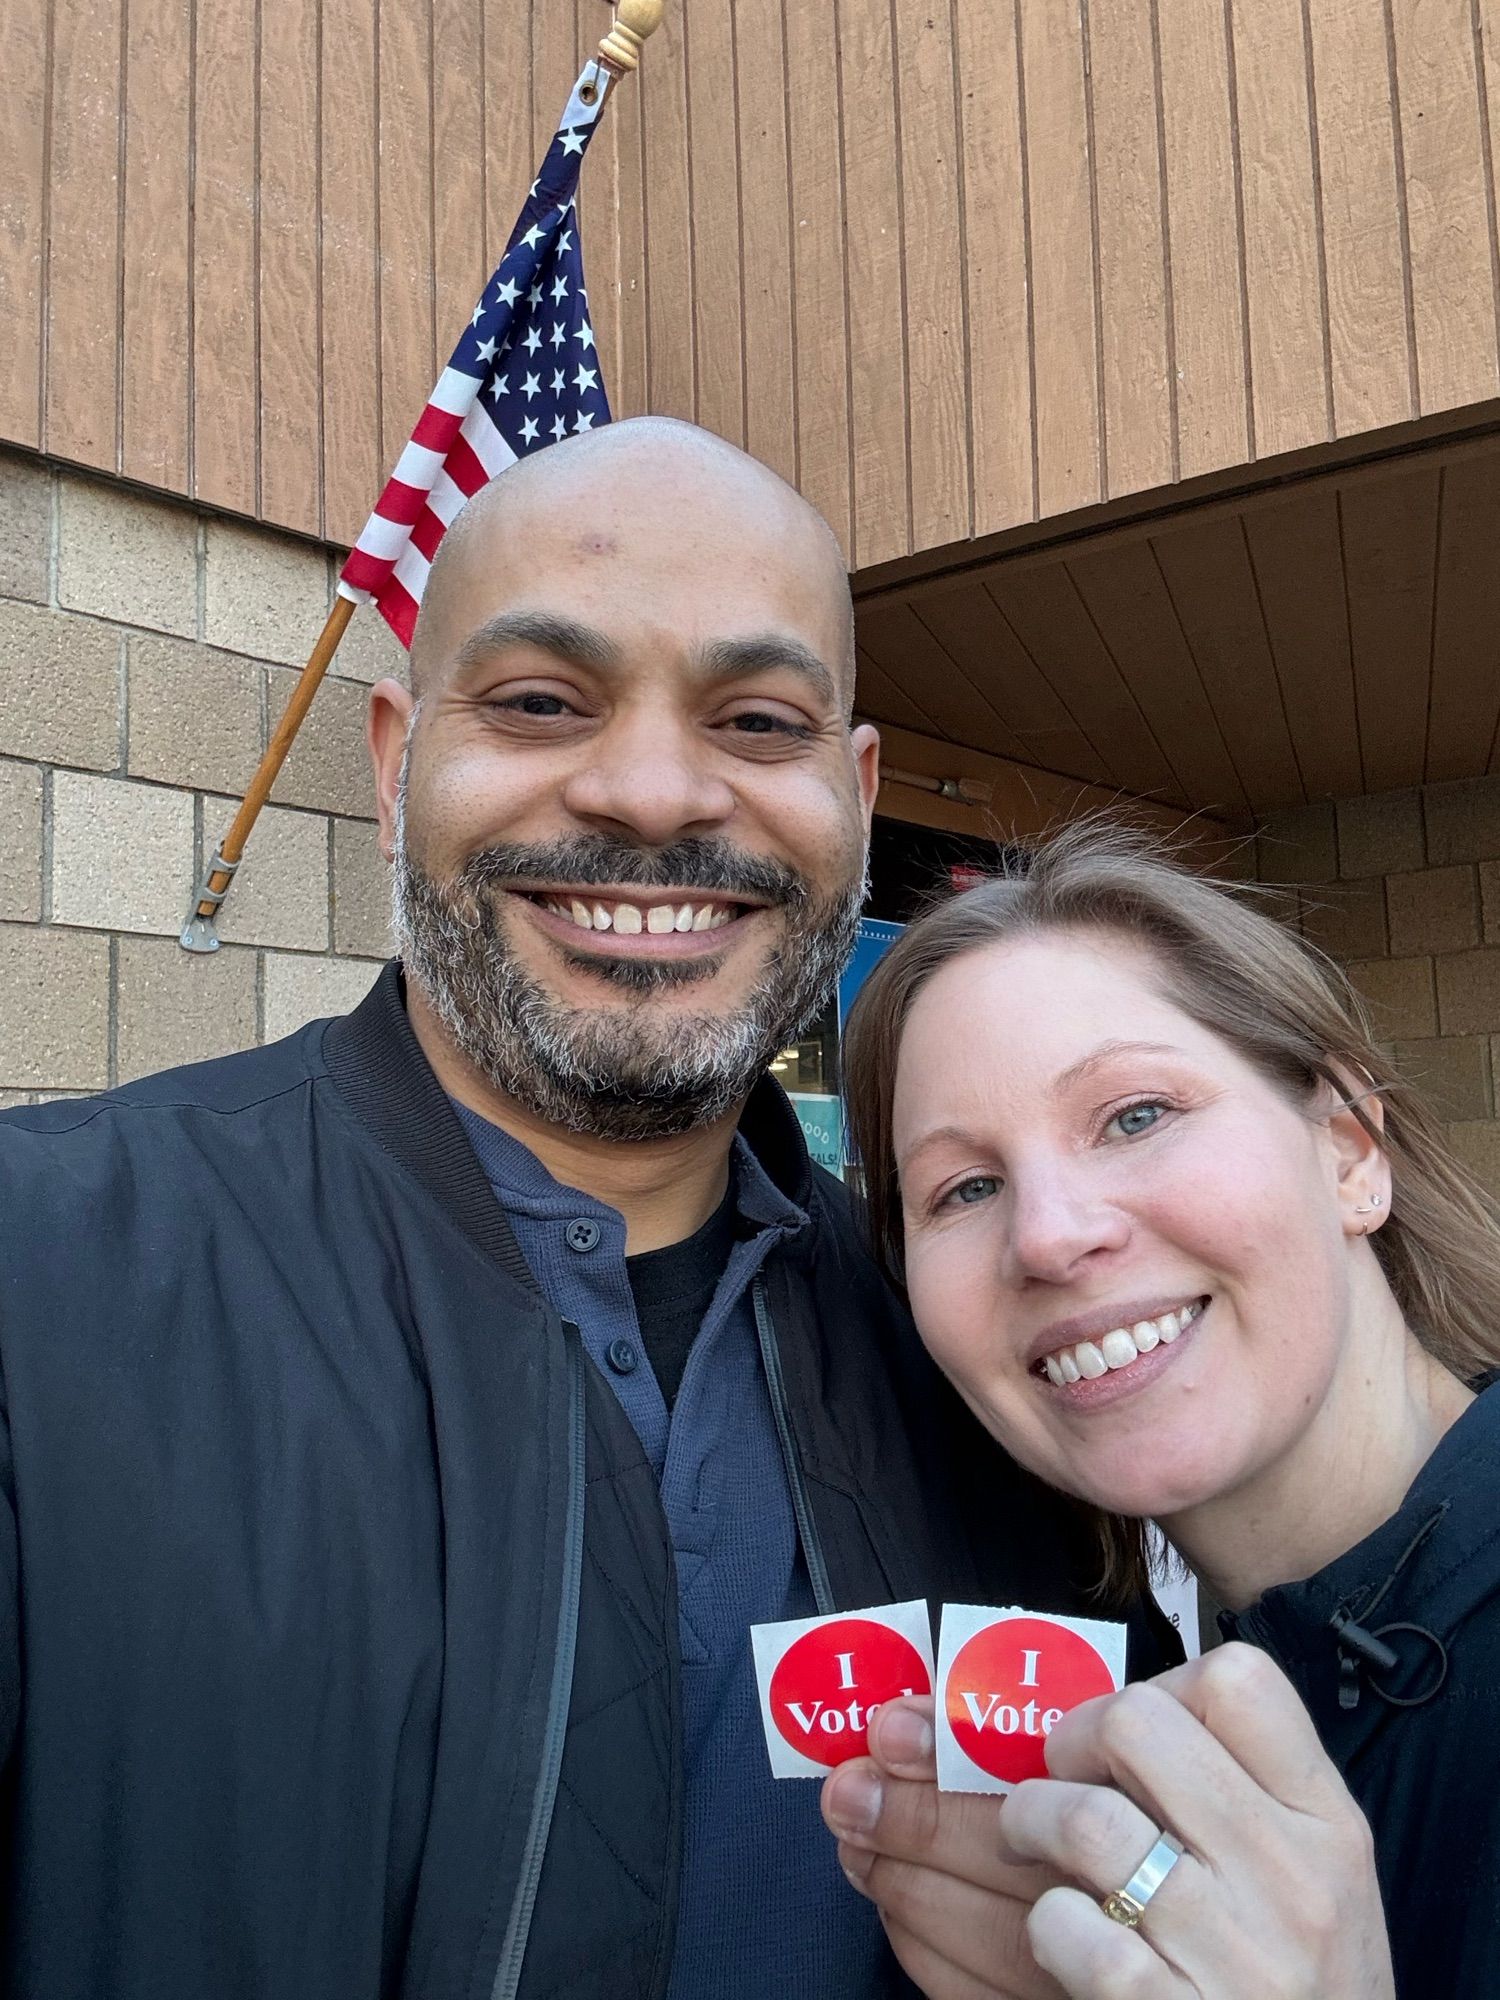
(807, 1533)
(518, 1930)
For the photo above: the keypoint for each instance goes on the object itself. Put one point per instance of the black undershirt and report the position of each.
(673, 1289)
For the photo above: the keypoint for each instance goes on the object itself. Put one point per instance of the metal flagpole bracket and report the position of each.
(198, 933)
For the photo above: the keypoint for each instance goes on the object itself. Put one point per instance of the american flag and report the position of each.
(525, 374)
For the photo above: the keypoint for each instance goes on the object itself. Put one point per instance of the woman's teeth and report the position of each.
(1087, 1360)
(630, 919)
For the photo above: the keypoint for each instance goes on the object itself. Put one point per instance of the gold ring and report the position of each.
(1127, 1906)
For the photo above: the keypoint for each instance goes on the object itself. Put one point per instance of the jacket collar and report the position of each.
(1409, 1586)
(375, 1059)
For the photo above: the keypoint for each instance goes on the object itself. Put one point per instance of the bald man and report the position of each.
(404, 1424)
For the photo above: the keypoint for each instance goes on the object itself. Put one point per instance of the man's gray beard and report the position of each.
(623, 1072)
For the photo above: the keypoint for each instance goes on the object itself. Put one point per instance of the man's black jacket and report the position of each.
(338, 1648)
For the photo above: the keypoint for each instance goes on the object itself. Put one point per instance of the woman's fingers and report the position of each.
(1094, 1958)
(950, 1833)
(940, 1979)
(978, 1932)
(1089, 1833)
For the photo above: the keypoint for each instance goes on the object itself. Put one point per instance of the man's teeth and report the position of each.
(1087, 1360)
(630, 919)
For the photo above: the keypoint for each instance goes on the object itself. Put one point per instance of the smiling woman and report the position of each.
(1190, 1247)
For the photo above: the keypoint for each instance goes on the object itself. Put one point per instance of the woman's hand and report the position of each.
(1275, 1891)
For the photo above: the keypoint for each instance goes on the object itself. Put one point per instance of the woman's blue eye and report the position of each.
(979, 1187)
(1137, 1118)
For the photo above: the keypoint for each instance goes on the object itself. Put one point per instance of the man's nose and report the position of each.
(650, 776)
(1060, 1217)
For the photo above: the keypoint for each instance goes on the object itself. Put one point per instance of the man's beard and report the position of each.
(624, 1072)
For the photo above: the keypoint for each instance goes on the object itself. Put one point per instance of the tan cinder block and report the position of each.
(262, 593)
(1489, 899)
(1298, 845)
(54, 1009)
(361, 891)
(280, 895)
(1463, 820)
(123, 557)
(1469, 992)
(59, 688)
(1380, 835)
(1346, 919)
(20, 842)
(25, 528)
(1477, 1145)
(173, 1007)
(301, 989)
(194, 715)
(329, 767)
(122, 854)
(1453, 1071)
(1436, 909)
(1400, 995)
(370, 649)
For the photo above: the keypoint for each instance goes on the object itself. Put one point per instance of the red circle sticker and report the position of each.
(1011, 1684)
(828, 1684)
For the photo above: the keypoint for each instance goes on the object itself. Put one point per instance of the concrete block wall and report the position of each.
(146, 650)
(1404, 890)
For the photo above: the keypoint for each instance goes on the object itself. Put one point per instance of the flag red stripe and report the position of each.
(436, 429)
(427, 532)
(398, 608)
(400, 502)
(464, 469)
(364, 571)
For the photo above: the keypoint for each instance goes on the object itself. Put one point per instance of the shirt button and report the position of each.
(581, 1235)
(622, 1357)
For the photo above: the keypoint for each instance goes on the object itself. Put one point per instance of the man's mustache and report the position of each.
(597, 862)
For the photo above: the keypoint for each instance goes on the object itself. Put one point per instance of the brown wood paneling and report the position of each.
(289, 220)
(971, 627)
(671, 296)
(627, 271)
(932, 216)
(1297, 556)
(1362, 216)
(878, 697)
(996, 270)
(225, 372)
(901, 643)
(1390, 564)
(407, 331)
(84, 235)
(554, 68)
(820, 350)
(1127, 599)
(718, 305)
(1206, 565)
(1059, 215)
(1207, 274)
(155, 293)
(23, 201)
(1126, 161)
(766, 249)
(1464, 709)
(1452, 274)
(464, 253)
(877, 299)
(598, 204)
(1289, 379)
(1048, 616)
(349, 274)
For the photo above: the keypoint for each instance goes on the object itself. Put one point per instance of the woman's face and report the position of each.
(1127, 1249)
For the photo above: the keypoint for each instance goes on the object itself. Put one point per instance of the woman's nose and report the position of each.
(1060, 1217)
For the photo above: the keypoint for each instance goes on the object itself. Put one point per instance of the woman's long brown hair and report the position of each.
(1239, 972)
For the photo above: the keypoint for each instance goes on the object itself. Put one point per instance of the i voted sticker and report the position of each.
(821, 1679)
(1005, 1680)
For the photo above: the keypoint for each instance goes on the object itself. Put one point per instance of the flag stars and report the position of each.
(530, 431)
(586, 378)
(559, 382)
(532, 237)
(532, 386)
(559, 429)
(585, 421)
(508, 292)
(559, 290)
(572, 141)
(585, 334)
(486, 349)
(565, 241)
(559, 333)
(478, 314)
(532, 341)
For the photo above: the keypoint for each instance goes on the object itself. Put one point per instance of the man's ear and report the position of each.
(387, 724)
(864, 740)
(1361, 1164)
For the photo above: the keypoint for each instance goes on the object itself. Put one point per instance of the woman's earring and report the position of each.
(1369, 1208)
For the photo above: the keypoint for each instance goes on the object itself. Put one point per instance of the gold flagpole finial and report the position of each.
(634, 21)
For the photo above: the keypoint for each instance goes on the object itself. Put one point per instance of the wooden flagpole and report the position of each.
(635, 21)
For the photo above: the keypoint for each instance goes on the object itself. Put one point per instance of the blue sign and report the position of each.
(822, 1120)
(872, 941)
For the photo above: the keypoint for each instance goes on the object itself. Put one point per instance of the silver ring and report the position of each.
(1126, 1906)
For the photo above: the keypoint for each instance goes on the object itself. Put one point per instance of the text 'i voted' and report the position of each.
(821, 1679)
(1005, 1680)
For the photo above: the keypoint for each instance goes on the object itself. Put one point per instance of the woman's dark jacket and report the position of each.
(1395, 1648)
(338, 1648)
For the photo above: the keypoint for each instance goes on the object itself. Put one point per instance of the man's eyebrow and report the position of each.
(582, 645)
(726, 658)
